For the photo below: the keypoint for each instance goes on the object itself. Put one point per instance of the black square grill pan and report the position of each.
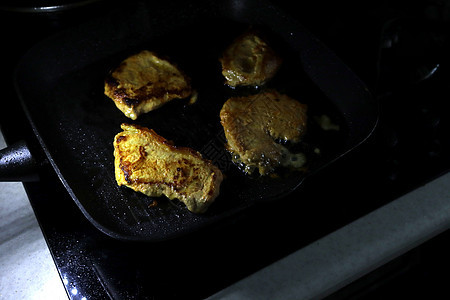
(60, 83)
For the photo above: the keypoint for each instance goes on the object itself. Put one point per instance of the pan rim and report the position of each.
(67, 185)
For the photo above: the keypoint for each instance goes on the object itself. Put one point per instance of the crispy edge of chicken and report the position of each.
(148, 163)
(249, 61)
(253, 124)
(143, 82)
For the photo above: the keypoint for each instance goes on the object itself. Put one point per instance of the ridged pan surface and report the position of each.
(61, 80)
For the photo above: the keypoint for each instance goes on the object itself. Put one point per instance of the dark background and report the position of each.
(394, 46)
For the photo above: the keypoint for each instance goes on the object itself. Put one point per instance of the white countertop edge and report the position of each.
(27, 269)
(352, 251)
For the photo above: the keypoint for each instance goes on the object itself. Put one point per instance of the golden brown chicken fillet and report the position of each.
(249, 61)
(144, 82)
(148, 163)
(253, 124)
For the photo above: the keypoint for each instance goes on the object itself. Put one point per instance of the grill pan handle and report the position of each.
(18, 164)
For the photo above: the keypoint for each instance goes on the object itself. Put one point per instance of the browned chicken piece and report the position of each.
(148, 163)
(249, 61)
(253, 124)
(144, 82)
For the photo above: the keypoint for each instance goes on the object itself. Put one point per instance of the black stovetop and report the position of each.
(397, 50)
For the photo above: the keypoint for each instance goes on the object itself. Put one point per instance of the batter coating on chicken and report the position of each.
(253, 124)
(148, 163)
(249, 61)
(144, 82)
